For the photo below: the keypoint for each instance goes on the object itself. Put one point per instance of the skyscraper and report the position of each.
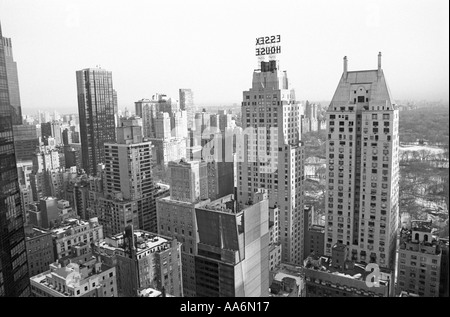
(128, 181)
(13, 81)
(14, 279)
(26, 140)
(187, 104)
(96, 103)
(272, 156)
(363, 167)
(233, 249)
(225, 245)
(176, 214)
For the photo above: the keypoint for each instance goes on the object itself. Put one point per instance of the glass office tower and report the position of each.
(96, 107)
(14, 279)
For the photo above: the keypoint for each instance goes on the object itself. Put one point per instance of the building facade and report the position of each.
(39, 246)
(187, 104)
(26, 141)
(144, 260)
(79, 275)
(232, 257)
(13, 81)
(73, 232)
(96, 104)
(176, 214)
(362, 167)
(128, 180)
(271, 155)
(336, 276)
(419, 260)
(14, 279)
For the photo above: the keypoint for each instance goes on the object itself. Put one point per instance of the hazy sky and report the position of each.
(209, 46)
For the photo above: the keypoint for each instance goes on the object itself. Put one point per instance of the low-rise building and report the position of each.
(75, 231)
(79, 275)
(419, 260)
(144, 260)
(286, 281)
(315, 240)
(39, 246)
(336, 276)
(274, 255)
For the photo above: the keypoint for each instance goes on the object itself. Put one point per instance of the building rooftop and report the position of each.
(340, 247)
(72, 223)
(407, 294)
(409, 241)
(160, 188)
(63, 279)
(317, 228)
(421, 225)
(224, 204)
(286, 279)
(351, 270)
(144, 241)
(33, 232)
(149, 292)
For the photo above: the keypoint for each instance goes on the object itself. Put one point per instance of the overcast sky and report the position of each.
(209, 46)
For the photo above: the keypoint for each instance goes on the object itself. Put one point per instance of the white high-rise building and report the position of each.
(178, 123)
(363, 167)
(163, 130)
(272, 158)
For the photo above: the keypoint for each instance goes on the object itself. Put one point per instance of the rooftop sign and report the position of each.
(268, 45)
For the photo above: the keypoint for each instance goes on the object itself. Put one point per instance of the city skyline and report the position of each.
(273, 194)
(160, 52)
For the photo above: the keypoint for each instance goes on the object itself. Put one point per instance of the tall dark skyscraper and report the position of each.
(14, 279)
(96, 105)
(13, 81)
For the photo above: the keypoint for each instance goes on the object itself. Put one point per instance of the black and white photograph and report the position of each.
(224, 156)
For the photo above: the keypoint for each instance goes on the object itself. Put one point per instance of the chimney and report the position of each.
(345, 67)
(379, 61)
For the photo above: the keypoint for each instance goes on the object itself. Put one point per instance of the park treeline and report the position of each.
(425, 123)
